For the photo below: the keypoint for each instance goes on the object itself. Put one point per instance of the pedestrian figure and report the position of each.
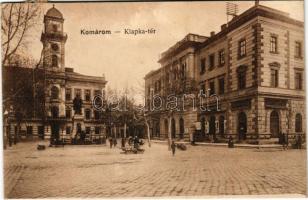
(287, 140)
(230, 142)
(123, 142)
(283, 141)
(136, 142)
(110, 142)
(114, 142)
(173, 148)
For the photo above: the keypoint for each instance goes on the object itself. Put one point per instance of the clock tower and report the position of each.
(53, 39)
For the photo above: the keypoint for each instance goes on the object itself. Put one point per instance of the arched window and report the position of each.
(54, 92)
(298, 123)
(54, 60)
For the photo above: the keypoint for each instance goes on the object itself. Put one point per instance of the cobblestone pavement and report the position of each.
(98, 171)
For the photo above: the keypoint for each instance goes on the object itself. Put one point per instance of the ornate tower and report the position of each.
(53, 56)
(53, 39)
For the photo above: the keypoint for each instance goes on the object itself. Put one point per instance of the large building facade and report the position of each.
(62, 85)
(255, 68)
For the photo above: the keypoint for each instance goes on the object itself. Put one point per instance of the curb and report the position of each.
(246, 146)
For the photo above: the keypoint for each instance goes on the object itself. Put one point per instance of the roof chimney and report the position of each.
(223, 27)
(212, 33)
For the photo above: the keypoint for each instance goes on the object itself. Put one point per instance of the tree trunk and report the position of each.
(169, 134)
(125, 130)
(148, 133)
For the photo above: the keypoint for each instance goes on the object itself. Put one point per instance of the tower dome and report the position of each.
(55, 13)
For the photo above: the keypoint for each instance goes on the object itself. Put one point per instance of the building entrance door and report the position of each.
(274, 124)
(242, 126)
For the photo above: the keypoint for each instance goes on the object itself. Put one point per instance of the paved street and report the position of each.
(98, 171)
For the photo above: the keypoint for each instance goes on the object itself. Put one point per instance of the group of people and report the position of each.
(132, 141)
(113, 142)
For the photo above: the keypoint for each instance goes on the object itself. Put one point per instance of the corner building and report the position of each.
(255, 66)
(62, 85)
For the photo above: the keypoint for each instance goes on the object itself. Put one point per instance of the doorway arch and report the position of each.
(274, 124)
(242, 126)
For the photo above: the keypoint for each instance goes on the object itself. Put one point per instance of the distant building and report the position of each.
(62, 85)
(254, 65)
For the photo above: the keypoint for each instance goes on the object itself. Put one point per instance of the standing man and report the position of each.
(110, 142)
(173, 147)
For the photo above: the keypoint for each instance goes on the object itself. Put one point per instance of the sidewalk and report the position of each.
(277, 146)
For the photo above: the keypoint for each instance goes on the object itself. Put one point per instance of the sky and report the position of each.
(126, 59)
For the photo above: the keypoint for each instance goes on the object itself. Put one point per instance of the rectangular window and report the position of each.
(298, 81)
(88, 130)
(96, 115)
(202, 66)
(221, 86)
(298, 49)
(97, 130)
(87, 95)
(241, 80)
(202, 88)
(211, 61)
(222, 57)
(273, 44)
(77, 92)
(212, 87)
(274, 78)
(68, 94)
(88, 113)
(242, 48)
(68, 113)
(68, 130)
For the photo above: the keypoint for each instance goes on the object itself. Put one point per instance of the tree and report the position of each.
(18, 19)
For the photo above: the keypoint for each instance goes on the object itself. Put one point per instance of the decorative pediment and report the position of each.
(274, 65)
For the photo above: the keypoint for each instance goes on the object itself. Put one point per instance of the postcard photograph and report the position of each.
(153, 99)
